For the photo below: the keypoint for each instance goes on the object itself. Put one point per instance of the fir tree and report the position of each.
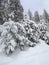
(36, 16)
(45, 15)
(30, 15)
(16, 8)
(12, 9)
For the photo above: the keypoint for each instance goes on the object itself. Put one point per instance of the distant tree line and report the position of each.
(38, 17)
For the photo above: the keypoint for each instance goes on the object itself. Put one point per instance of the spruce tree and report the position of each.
(45, 15)
(30, 15)
(36, 16)
(16, 8)
(12, 9)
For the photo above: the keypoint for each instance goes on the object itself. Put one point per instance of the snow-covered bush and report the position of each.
(21, 34)
(31, 30)
(18, 35)
(43, 29)
(47, 37)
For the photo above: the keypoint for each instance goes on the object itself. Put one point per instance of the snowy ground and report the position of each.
(38, 55)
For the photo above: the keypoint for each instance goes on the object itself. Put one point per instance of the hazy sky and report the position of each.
(34, 5)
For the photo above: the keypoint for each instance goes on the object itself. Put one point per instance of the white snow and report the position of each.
(38, 55)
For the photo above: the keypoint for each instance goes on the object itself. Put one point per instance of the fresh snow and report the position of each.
(38, 55)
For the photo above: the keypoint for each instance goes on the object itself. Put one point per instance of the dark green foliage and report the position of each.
(11, 9)
(17, 9)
